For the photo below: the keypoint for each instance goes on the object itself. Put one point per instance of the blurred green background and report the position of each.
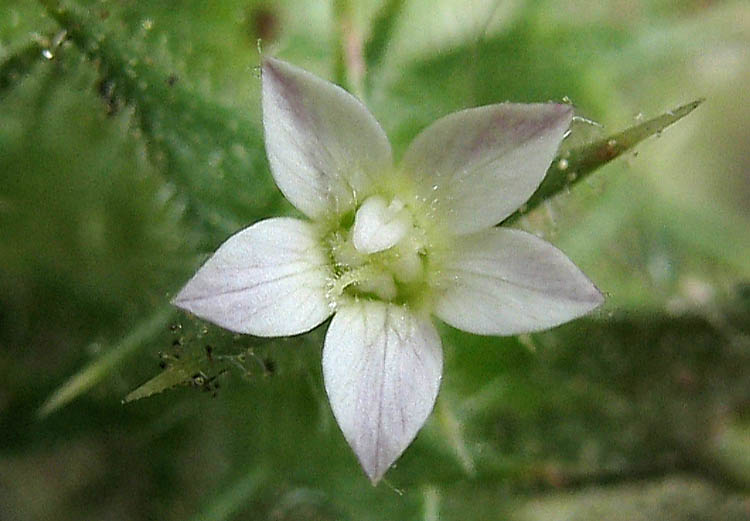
(131, 146)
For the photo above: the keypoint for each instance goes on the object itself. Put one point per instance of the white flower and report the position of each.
(387, 246)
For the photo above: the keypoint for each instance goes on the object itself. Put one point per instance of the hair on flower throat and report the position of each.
(386, 247)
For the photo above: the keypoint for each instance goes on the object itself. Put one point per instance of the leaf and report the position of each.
(228, 502)
(198, 368)
(575, 164)
(342, 19)
(19, 64)
(178, 373)
(380, 36)
(674, 496)
(657, 374)
(721, 234)
(211, 153)
(188, 371)
(97, 370)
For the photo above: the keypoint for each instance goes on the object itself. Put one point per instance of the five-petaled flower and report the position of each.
(385, 247)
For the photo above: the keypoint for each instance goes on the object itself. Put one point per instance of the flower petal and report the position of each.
(505, 282)
(479, 165)
(382, 367)
(324, 146)
(266, 280)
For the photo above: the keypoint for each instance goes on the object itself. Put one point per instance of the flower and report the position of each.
(385, 247)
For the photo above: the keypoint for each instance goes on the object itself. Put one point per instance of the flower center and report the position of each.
(380, 253)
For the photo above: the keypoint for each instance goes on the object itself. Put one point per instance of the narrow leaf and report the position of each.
(380, 36)
(19, 63)
(98, 369)
(342, 18)
(179, 373)
(199, 368)
(211, 153)
(575, 164)
(187, 371)
(226, 505)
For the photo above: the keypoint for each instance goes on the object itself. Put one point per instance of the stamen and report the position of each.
(379, 225)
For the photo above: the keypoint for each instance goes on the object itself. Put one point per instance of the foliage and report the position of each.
(131, 146)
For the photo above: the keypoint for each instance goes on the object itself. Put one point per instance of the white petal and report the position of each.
(266, 280)
(324, 146)
(382, 367)
(505, 282)
(378, 225)
(479, 165)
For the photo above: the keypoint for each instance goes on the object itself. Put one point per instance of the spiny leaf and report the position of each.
(98, 369)
(211, 153)
(180, 372)
(200, 369)
(574, 165)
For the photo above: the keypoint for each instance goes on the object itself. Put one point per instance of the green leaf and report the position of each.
(731, 448)
(380, 36)
(192, 370)
(211, 153)
(200, 367)
(721, 235)
(655, 374)
(674, 497)
(230, 501)
(19, 64)
(575, 164)
(181, 372)
(342, 17)
(97, 370)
